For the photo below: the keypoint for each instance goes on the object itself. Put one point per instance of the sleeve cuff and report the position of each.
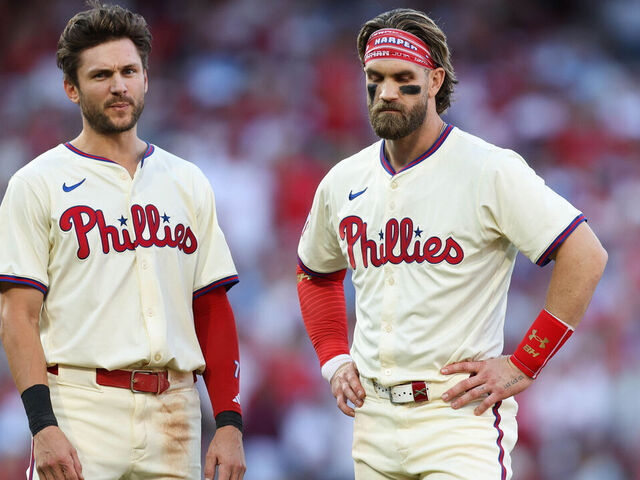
(313, 273)
(227, 282)
(330, 367)
(546, 256)
(24, 281)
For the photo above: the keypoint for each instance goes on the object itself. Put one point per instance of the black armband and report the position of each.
(229, 417)
(37, 403)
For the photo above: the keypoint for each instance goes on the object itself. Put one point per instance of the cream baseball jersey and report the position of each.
(431, 248)
(118, 258)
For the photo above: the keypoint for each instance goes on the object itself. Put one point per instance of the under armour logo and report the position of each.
(303, 276)
(543, 342)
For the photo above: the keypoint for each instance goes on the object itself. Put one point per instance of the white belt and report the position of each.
(404, 393)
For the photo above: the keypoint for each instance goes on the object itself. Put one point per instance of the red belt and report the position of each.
(135, 380)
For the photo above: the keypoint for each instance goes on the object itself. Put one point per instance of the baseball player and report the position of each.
(114, 274)
(429, 220)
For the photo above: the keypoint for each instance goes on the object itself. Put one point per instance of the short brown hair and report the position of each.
(97, 25)
(420, 25)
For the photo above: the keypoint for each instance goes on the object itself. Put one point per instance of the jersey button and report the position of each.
(149, 312)
(394, 185)
(145, 264)
(388, 328)
(387, 372)
(391, 281)
(157, 357)
(392, 205)
(123, 176)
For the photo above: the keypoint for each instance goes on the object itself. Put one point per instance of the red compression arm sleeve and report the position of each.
(216, 331)
(324, 313)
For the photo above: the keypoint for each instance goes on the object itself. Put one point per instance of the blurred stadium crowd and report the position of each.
(266, 96)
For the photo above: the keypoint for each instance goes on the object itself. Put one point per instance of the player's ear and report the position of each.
(146, 81)
(71, 90)
(436, 79)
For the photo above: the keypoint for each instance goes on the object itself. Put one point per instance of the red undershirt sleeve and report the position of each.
(216, 331)
(324, 313)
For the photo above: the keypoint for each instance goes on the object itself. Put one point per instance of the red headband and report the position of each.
(399, 45)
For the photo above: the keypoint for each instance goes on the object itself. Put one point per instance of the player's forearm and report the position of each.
(216, 331)
(579, 264)
(322, 304)
(20, 336)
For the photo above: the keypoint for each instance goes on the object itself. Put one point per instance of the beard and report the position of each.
(394, 126)
(102, 123)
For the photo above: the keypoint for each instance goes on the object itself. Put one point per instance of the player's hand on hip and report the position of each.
(227, 454)
(345, 385)
(55, 457)
(494, 379)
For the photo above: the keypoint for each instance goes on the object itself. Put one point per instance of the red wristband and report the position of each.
(542, 341)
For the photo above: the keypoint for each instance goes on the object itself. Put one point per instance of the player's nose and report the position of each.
(388, 91)
(118, 85)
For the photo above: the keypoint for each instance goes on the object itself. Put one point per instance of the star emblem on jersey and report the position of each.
(122, 220)
(357, 194)
(71, 187)
(165, 218)
(418, 232)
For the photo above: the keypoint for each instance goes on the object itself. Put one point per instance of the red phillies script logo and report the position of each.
(84, 219)
(401, 233)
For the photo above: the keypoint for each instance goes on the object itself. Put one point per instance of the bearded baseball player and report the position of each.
(429, 220)
(114, 274)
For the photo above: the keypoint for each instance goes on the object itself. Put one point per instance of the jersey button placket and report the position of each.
(387, 337)
(387, 342)
(392, 200)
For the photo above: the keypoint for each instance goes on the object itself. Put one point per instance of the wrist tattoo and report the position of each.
(513, 381)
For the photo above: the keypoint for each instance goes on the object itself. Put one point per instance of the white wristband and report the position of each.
(330, 366)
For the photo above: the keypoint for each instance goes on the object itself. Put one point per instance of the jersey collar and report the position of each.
(386, 164)
(148, 152)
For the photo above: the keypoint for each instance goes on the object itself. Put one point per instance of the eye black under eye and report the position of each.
(410, 89)
(372, 88)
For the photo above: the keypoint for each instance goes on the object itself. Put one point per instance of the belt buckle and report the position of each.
(420, 391)
(133, 374)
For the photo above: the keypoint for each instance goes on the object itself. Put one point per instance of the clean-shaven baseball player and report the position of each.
(114, 274)
(430, 220)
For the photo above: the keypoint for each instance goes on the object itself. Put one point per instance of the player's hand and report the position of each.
(345, 385)
(56, 459)
(495, 379)
(227, 454)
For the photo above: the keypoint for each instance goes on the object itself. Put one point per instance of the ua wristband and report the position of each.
(542, 341)
(37, 403)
